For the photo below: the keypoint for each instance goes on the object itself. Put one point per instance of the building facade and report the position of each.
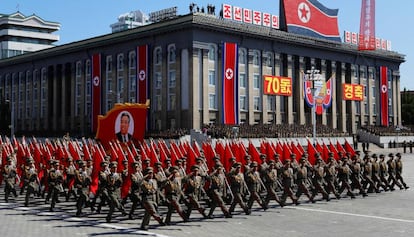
(21, 34)
(50, 91)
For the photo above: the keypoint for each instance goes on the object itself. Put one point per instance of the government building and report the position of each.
(50, 91)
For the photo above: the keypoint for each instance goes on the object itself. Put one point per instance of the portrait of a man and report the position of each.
(124, 125)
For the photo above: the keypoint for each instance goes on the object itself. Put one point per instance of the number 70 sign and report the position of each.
(276, 85)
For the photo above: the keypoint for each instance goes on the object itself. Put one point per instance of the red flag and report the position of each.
(311, 153)
(325, 152)
(296, 151)
(97, 159)
(334, 151)
(384, 95)
(254, 153)
(348, 148)
(305, 17)
(227, 155)
(220, 151)
(142, 67)
(230, 84)
(96, 90)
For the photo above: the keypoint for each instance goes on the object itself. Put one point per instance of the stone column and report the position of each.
(289, 109)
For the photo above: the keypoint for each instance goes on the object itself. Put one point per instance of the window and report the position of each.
(242, 56)
(243, 80)
(256, 81)
(157, 56)
(373, 92)
(171, 102)
(212, 53)
(256, 103)
(109, 64)
(158, 80)
(78, 69)
(268, 59)
(120, 62)
(374, 109)
(212, 77)
(256, 58)
(157, 103)
(132, 60)
(366, 108)
(171, 54)
(243, 103)
(212, 101)
(171, 79)
(271, 102)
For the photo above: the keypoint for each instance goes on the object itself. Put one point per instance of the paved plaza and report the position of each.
(379, 214)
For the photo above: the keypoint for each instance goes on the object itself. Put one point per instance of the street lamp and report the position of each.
(314, 76)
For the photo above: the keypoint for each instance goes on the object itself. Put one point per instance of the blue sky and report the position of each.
(89, 18)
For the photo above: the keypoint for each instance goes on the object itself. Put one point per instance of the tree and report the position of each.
(407, 107)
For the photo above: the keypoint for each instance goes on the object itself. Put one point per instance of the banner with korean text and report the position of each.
(276, 85)
(352, 92)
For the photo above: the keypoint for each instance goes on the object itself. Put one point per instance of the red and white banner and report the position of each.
(142, 72)
(384, 95)
(96, 90)
(230, 84)
(367, 26)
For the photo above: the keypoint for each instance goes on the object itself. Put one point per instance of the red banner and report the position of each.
(352, 92)
(274, 85)
(367, 26)
(142, 72)
(305, 17)
(230, 84)
(125, 123)
(384, 95)
(96, 90)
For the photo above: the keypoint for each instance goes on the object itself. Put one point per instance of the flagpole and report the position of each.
(313, 75)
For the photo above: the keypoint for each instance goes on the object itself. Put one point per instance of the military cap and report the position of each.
(178, 161)
(391, 155)
(218, 158)
(218, 166)
(254, 164)
(237, 165)
(398, 154)
(199, 159)
(81, 163)
(148, 170)
(173, 169)
(29, 160)
(247, 157)
(330, 153)
(292, 155)
(195, 167)
(374, 155)
(147, 161)
(70, 158)
(104, 163)
(331, 159)
(54, 162)
(271, 162)
(113, 164)
(287, 161)
(168, 160)
(124, 161)
(158, 163)
(135, 164)
(302, 159)
(262, 156)
(358, 152)
(276, 155)
(381, 155)
(231, 158)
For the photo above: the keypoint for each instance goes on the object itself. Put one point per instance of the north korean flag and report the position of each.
(142, 72)
(96, 90)
(230, 84)
(384, 95)
(311, 18)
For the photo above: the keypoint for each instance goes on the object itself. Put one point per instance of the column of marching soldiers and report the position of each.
(244, 184)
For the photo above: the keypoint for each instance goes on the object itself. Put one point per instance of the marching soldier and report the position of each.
(218, 190)
(136, 182)
(70, 171)
(192, 185)
(238, 188)
(355, 175)
(82, 183)
(161, 177)
(398, 170)
(368, 183)
(343, 176)
(287, 181)
(375, 173)
(55, 183)
(330, 176)
(114, 182)
(150, 198)
(31, 180)
(254, 184)
(271, 181)
(11, 178)
(392, 173)
(319, 179)
(301, 180)
(102, 192)
(383, 172)
(173, 193)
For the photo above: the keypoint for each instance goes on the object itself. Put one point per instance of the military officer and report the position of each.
(114, 182)
(287, 182)
(11, 179)
(149, 190)
(238, 188)
(254, 184)
(82, 183)
(55, 183)
(173, 193)
(136, 181)
(31, 179)
(218, 190)
(192, 185)
(398, 170)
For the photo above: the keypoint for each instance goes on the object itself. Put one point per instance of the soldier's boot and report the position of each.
(311, 199)
(159, 219)
(247, 210)
(337, 195)
(231, 209)
(203, 213)
(210, 213)
(183, 216)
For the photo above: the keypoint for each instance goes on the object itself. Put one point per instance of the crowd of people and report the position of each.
(389, 131)
(244, 184)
